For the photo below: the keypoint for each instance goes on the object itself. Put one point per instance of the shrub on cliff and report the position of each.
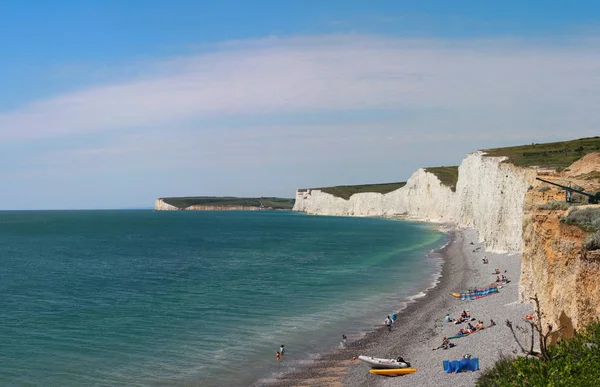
(586, 218)
(555, 206)
(592, 242)
(572, 362)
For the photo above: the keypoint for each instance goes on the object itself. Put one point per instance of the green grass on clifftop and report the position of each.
(275, 203)
(345, 191)
(447, 175)
(558, 155)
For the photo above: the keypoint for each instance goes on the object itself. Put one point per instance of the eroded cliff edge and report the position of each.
(502, 203)
(555, 266)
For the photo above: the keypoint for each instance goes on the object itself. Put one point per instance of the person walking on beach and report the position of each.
(388, 323)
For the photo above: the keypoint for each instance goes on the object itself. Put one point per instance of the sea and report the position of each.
(196, 298)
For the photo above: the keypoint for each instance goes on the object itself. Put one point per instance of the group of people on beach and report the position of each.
(279, 354)
(471, 329)
(500, 277)
(465, 316)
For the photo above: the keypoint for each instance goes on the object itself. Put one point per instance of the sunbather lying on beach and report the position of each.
(492, 323)
(445, 344)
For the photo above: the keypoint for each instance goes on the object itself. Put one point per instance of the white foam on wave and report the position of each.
(413, 298)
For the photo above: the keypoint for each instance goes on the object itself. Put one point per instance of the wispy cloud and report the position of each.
(340, 73)
(299, 111)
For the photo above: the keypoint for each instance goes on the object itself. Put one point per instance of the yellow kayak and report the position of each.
(393, 371)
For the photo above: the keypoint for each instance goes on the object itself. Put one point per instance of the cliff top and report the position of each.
(553, 155)
(272, 202)
(345, 191)
(447, 175)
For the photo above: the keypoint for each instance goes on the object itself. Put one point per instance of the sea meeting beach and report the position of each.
(420, 327)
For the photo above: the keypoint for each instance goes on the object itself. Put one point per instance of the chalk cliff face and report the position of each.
(489, 197)
(502, 202)
(160, 205)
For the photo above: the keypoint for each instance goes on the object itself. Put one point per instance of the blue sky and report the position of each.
(111, 104)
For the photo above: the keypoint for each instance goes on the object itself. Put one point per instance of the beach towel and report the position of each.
(458, 336)
(475, 294)
(453, 366)
(474, 364)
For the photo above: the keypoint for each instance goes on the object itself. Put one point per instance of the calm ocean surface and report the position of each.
(145, 298)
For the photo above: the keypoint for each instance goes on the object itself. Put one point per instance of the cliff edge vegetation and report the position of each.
(552, 155)
(447, 175)
(345, 191)
(223, 202)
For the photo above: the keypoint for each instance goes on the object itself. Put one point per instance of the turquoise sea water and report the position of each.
(127, 298)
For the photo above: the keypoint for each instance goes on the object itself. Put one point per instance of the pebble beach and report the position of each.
(420, 327)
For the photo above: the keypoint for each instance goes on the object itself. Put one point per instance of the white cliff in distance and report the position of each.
(489, 197)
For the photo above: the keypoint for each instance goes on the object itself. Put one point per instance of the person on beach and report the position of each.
(468, 314)
(445, 344)
(394, 317)
(344, 340)
(492, 323)
(278, 358)
(448, 319)
(388, 323)
(282, 350)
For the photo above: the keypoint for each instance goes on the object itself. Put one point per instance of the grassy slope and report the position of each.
(345, 191)
(276, 203)
(557, 155)
(447, 175)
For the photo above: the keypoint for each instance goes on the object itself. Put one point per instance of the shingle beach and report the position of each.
(420, 327)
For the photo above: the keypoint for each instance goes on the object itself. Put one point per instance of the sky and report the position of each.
(112, 104)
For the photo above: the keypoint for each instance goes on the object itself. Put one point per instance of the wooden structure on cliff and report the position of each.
(592, 198)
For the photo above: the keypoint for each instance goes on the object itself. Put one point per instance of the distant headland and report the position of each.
(227, 203)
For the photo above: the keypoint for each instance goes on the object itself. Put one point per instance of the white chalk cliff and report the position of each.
(489, 198)
(161, 205)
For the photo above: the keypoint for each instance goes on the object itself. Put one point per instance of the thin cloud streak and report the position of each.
(338, 73)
